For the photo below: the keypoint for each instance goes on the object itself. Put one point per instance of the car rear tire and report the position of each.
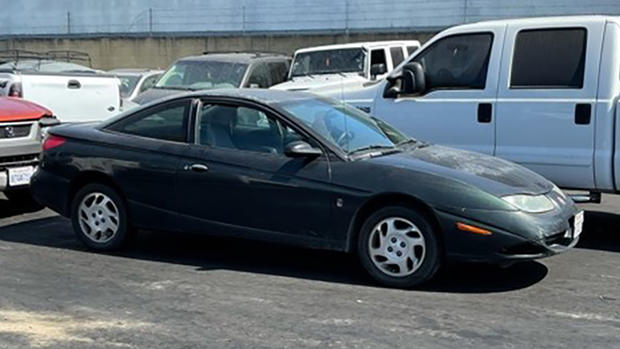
(398, 247)
(99, 217)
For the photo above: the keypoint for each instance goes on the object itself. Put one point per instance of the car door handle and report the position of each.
(196, 168)
(583, 114)
(485, 112)
(74, 84)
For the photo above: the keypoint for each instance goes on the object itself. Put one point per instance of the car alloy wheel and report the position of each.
(396, 246)
(99, 217)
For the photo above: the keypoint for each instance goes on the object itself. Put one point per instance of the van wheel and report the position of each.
(398, 247)
(99, 217)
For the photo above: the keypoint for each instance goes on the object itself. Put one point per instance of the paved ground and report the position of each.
(168, 291)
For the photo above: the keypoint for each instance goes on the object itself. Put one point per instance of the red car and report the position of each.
(22, 128)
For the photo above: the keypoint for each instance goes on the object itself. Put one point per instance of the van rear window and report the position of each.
(549, 58)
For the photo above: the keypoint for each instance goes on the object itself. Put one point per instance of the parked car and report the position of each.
(135, 81)
(22, 126)
(542, 92)
(74, 92)
(335, 66)
(296, 169)
(219, 70)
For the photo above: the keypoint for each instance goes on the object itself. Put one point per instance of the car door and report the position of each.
(238, 176)
(145, 159)
(456, 108)
(547, 99)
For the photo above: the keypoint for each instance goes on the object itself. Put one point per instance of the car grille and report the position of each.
(14, 131)
(17, 160)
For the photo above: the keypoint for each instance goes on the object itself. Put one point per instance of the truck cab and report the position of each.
(542, 92)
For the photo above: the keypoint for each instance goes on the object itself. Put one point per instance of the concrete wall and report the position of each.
(159, 52)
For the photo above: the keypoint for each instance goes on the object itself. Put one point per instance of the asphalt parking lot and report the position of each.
(170, 291)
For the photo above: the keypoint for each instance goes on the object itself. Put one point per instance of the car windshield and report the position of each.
(202, 75)
(128, 84)
(344, 126)
(329, 62)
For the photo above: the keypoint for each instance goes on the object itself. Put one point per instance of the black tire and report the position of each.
(430, 262)
(119, 238)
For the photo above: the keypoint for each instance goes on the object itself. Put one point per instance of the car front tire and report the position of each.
(399, 248)
(99, 217)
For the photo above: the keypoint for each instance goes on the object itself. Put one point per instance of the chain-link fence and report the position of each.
(38, 17)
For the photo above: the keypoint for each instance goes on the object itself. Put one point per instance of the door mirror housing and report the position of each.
(411, 80)
(299, 149)
(377, 69)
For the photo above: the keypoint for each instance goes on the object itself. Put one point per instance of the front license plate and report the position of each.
(578, 228)
(20, 176)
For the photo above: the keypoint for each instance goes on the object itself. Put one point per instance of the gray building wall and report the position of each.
(213, 17)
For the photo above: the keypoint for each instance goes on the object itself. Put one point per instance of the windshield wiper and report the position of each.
(172, 88)
(407, 141)
(372, 147)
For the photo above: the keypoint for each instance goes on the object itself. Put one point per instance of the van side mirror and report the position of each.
(301, 149)
(377, 69)
(411, 80)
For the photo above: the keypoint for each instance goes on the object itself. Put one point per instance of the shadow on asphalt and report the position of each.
(10, 209)
(601, 231)
(210, 253)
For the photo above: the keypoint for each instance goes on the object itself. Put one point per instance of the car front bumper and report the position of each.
(522, 236)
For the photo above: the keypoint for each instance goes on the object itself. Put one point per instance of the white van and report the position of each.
(348, 65)
(542, 92)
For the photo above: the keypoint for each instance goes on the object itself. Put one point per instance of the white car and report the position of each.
(74, 93)
(351, 65)
(542, 92)
(135, 81)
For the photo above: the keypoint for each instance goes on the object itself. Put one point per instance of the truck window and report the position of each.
(411, 50)
(378, 57)
(397, 55)
(457, 62)
(549, 58)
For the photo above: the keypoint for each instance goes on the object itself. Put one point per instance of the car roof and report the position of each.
(538, 21)
(240, 57)
(367, 45)
(264, 96)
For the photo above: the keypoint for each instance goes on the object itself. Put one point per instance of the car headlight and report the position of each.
(530, 203)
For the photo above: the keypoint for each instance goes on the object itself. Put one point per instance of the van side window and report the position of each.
(457, 62)
(549, 58)
(378, 57)
(397, 55)
(278, 71)
(259, 76)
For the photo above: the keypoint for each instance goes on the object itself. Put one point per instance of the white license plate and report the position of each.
(20, 176)
(578, 225)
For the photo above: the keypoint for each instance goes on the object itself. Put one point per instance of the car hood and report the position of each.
(17, 109)
(491, 174)
(323, 81)
(156, 93)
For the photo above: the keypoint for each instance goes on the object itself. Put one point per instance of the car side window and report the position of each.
(378, 57)
(279, 72)
(549, 58)
(457, 62)
(243, 128)
(168, 122)
(259, 76)
(397, 55)
(149, 82)
(411, 50)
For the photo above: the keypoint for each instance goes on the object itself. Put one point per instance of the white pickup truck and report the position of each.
(542, 92)
(345, 65)
(73, 92)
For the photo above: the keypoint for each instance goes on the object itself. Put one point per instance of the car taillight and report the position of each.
(16, 90)
(52, 142)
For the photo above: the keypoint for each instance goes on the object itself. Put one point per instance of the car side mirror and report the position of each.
(411, 80)
(299, 149)
(377, 69)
